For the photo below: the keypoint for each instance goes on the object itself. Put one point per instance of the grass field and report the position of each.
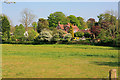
(58, 61)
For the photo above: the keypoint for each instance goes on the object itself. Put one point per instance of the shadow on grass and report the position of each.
(113, 64)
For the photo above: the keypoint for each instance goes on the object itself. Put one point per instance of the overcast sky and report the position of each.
(43, 9)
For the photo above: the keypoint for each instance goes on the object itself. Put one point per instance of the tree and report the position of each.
(95, 30)
(42, 23)
(90, 22)
(31, 34)
(27, 18)
(109, 23)
(82, 23)
(71, 30)
(5, 27)
(107, 19)
(19, 32)
(56, 17)
(74, 20)
(34, 24)
(79, 34)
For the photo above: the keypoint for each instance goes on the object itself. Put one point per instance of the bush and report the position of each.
(56, 37)
(79, 34)
(87, 35)
(44, 36)
(67, 37)
(13, 38)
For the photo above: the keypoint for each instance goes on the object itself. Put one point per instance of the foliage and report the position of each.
(95, 30)
(19, 32)
(79, 34)
(108, 18)
(71, 30)
(87, 35)
(109, 25)
(67, 37)
(45, 36)
(5, 27)
(82, 23)
(74, 20)
(34, 24)
(5, 36)
(42, 23)
(56, 37)
(31, 34)
(90, 22)
(55, 17)
(57, 34)
(13, 38)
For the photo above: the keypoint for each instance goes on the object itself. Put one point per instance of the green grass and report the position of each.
(58, 61)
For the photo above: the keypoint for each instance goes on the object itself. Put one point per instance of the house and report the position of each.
(66, 27)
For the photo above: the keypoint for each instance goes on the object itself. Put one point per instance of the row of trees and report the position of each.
(54, 18)
(106, 29)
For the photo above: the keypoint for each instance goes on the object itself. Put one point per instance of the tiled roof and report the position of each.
(60, 26)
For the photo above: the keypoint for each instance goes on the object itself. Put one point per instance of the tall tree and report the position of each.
(95, 30)
(56, 17)
(106, 19)
(82, 23)
(109, 23)
(42, 23)
(27, 18)
(74, 20)
(90, 22)
(19, 31)
(5, 27)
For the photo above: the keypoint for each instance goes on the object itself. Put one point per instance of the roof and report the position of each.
(75, 27)
(60, 26)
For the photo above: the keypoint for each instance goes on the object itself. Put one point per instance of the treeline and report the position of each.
(103, 32)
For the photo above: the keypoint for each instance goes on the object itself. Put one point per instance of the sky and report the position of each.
(44, 9)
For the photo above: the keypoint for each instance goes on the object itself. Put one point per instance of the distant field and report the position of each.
(58, 61)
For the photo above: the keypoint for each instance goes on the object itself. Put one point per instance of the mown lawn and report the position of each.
(58, 61)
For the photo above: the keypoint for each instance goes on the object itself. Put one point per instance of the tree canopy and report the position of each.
(55, 17)
(19, 31)
(5, 27)
(42, 23)
(74, 20)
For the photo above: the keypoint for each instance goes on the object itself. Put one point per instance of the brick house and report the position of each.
(66, 27)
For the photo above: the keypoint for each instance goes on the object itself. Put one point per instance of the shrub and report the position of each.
(87, 35)
(79, 34)
(67, 37)
(56, 37)
(44, 36)
(31, 34)
(13, 38)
